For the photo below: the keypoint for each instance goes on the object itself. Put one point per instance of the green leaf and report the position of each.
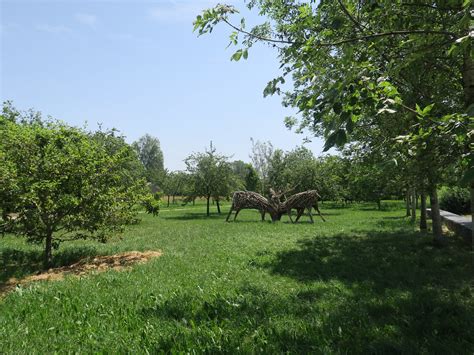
(237, 55)
(428, 109)
(337, 138)
(337, 107)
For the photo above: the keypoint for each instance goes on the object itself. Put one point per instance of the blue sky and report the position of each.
(138, 67)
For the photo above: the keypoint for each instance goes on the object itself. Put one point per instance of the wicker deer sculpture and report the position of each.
(300, 201)
(251, 200)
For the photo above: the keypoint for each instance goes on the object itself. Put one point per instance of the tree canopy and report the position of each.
(211, 175)
(59, 183)
(151, 156)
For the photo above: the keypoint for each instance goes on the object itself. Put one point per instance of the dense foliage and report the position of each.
(59, 183)
(455, 200)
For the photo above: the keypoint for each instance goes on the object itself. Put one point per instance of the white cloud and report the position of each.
(179, 11)
(53, 28)
(86, 19)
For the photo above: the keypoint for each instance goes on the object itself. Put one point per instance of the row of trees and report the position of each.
(394, 78)
(345, 177)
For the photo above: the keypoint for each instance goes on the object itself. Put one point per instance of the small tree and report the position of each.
(251, 178)
(245, 174)
(211, 175)
(62, 184)
(262, 154)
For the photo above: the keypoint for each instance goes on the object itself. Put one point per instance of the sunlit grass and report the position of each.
(363, 282)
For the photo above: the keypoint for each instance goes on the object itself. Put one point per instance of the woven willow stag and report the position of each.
(251, 200)
(300, 201)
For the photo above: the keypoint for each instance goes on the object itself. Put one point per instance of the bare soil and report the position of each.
(103, 263)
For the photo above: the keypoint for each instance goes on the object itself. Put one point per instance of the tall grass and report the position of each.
(363, 282)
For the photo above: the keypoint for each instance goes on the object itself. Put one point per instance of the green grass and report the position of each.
(363, 282)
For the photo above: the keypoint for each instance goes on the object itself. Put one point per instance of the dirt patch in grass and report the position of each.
(103, 263)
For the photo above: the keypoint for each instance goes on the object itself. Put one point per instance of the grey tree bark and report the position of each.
(407, 202)
(468, 86)
(435, 216)
(48, 251)
(423, 225)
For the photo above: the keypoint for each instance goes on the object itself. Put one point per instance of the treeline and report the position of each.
(342, 178)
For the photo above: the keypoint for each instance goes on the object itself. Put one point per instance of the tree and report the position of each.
(245, 174)
(371, 177)
(211, 175)
(251, 180)
(262, 152)
(333, 174)
(175, 184)
(351, 71)
(64, 185)
(150, 154)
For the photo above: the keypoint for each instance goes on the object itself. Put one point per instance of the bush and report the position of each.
(152, 204)
(455, 199)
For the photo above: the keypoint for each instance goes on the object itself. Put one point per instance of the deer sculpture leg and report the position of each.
(289, 215)
(300, 213)
(319, 212)
(310, 215)
(236, 213)
(262, 212)
(230, 212)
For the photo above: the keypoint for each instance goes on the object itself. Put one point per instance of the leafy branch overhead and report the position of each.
(369, 72)
(320, 42)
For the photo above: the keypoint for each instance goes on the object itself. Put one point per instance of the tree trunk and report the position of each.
(468, 88)
(435, 216)
(48, 251)
(218, 207)
(468, 77)
(407, 202)
(472, 215)
(174, 200)
(423, 226)
(379, 205)
(208, 202)
(194, 201)
(413, 205)
(168, 201)
(416, 200)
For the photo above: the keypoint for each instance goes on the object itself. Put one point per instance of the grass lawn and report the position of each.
(363, 282)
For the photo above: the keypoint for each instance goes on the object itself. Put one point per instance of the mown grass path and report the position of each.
(363, 282)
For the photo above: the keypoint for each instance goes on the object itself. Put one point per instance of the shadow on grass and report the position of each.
(195, 216)
(379, 292)
(334, 318)
(384, 259)
(19, 263)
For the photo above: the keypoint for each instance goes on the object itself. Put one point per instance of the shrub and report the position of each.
(152, 204)
(455, 199)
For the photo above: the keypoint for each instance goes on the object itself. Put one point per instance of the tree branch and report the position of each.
(265, 39)
(347, 40)
(389, 34)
